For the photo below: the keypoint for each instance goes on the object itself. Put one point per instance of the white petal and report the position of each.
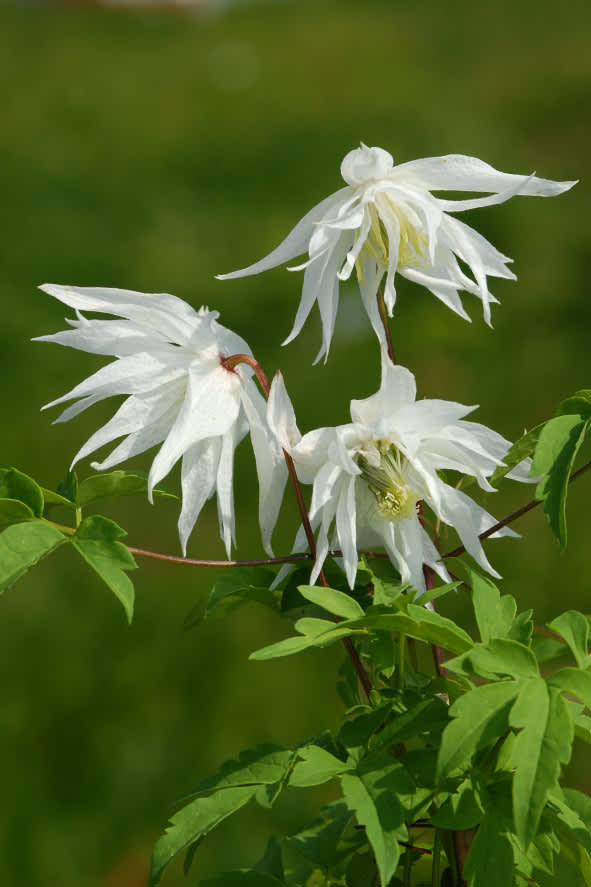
(198, 477)
(270, 462)
(347, 530)
(161, 312)
(281, 415)
(139, 441)
(225, 486)
(459, 172)
(397, 389)
(296, 241)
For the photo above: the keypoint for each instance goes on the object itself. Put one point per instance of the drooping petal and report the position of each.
(296, 241)
(270, 462)
(459, 172)
(198, 479)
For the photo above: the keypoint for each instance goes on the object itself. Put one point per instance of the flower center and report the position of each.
(411, 248)
(395, 497)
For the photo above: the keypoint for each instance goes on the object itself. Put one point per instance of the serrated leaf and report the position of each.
(494, 614)
(52, 498)
(574, 628)
(578, 404)
(319, 855)
(520, 450)
(316, 767)
(13, 511)
(463, 809)
(193, 823)
(68, 488)
(439, 630)
(336, 602)
(499, 657)
(542, 745)
(16, 485)
(425, 718)
(554, 457)
(22, 546)
(235, 587)
(573, 680)
(114, 484)
(96, 540)
(386, 586)
(265, 764)
(480, 717)
(383, 819)
(490, 859)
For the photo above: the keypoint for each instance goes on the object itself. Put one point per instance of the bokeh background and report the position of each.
(152, 148)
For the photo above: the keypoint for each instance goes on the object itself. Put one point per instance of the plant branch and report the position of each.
(514, 515)
(230, 363)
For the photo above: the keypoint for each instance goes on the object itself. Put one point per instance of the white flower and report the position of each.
(369, 476)
(387, 221)
(169, 362)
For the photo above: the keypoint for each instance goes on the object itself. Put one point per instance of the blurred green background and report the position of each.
(151, 150)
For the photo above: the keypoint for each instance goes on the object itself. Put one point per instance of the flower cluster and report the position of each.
(170, 363)
(385, 221)
(190, 388)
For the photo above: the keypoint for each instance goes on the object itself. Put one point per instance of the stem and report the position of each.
(407, 866)
(436, 864)
(230, 363)
(514, 515)
(384, 318)
(400, 668)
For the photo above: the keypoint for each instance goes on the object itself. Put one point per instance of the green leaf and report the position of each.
(317, 767)
(572, 680)
(336, 602)
(16, 485)
(382, 815)
(464, 809)
(265, 764)
(193, 823)
(116, 483)
(494, 614)
(13, 511)
(490, 860)
(574, 628)
(542, 745)
(578, 404)
(499, 657)
(480, 717)
(554, 457)
(68, 488)
(22, 546)
(242, 878)
(425, 718)
(96, 540)
(237, 586)
(386, 585)
(319, 855)
(520, 450)
(52, 498)
(439, 630)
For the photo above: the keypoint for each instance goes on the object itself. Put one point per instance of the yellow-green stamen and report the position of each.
(396, 499)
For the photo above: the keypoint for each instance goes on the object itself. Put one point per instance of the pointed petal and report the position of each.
(198, 477)
(296, 241)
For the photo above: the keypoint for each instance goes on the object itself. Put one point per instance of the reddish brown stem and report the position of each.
(230, 363)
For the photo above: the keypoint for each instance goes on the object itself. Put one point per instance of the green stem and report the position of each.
(384, 318)
(400, 665)
(407, 866)
(436, 865)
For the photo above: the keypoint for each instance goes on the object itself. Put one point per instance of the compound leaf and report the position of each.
(96, 540)
(22, 546)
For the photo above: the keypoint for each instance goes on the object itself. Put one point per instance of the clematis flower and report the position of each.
(385, 221)
(180, 395)
(370, 476)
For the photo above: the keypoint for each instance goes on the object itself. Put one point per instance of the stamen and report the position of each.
(396, 499)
